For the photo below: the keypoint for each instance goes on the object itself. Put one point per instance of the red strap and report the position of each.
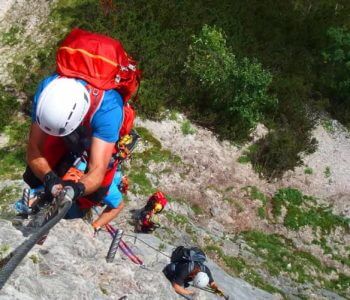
(96, 96)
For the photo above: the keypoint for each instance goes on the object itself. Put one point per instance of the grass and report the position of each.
(187, 128)
(140, 183)
(7, 196)
(103, 290)
(9, 106)
(302, 211)
(12, 162)
(12, 156)
(255, 194)
(154, 151)
(243, 159)
(308, 171)
(327, 172)
(161, 247)
(280, 257)
(34, 258)
(278, 253)
(176, 219)
(12, 36)
(239, 267)
(197, 209)
(4, 249)
(174, 115)
(328, 126)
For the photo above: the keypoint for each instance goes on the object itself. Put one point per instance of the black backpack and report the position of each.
(188, 255)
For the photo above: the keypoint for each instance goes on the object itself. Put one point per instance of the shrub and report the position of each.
(187, 128)
(235, 90)
(337, 70)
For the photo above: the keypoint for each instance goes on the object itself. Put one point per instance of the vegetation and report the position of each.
(140, 182)
(12, 36)
(308, 171)
(34, 258)
(7, 195)
(337, 81)
(255, 194)
(302, 211)
(238, 266)
(228, 72)
(4, 249)
(281, 257)
(327, 172)
(232, 91)
(197, 209)
(12, 156)
(186, 128)
(8, 107)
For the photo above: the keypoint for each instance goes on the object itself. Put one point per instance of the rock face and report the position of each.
(71, 265)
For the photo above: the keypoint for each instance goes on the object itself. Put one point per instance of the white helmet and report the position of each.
(62, 106)
(201, 280)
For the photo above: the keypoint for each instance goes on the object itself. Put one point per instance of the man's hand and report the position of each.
(52, 184)
(78, 187)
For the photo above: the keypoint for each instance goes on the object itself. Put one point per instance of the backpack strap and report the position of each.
(190, 266)
(96, 96)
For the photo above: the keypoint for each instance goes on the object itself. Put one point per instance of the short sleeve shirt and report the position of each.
(181, 274)
(107, 120)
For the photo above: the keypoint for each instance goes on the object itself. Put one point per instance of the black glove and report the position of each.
(78, 187)
(51, 182)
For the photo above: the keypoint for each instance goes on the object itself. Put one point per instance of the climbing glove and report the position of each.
(52, 184)
(78, 187)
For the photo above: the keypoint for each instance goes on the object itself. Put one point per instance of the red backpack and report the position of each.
(103, 63)
(157, 197)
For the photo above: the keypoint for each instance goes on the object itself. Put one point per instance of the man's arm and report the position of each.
(35, 159)
(100, 155)
(181, 290)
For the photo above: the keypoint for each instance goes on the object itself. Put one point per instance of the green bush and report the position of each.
(235, 90)
(336, 77)
(187, 128)
(282, 148)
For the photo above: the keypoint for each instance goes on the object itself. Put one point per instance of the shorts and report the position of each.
(112, 199)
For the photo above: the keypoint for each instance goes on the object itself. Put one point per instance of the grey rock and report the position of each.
(71, 265)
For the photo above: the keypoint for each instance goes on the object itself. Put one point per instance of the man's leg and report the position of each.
(114, 202)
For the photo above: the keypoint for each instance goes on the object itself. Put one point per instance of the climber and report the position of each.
(187, 265)
(83, 110)
(148, 220)
(60, 105)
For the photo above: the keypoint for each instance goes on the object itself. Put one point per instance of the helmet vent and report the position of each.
(61, 130)
(47, 128)
(70, 115)
(86, 98)
(38, 120)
